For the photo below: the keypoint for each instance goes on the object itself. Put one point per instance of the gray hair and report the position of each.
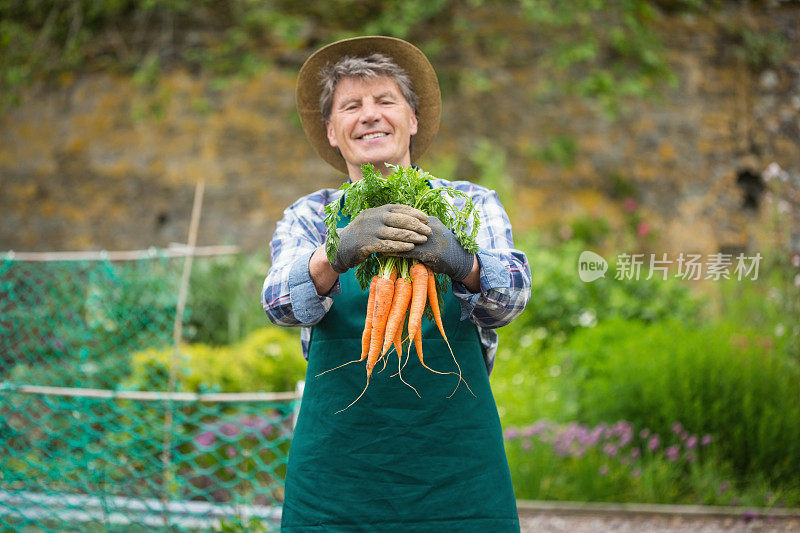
(372, 66)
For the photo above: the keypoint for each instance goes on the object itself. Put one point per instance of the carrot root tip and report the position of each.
(354, 401)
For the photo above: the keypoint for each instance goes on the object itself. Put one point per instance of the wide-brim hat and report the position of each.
(406, 55)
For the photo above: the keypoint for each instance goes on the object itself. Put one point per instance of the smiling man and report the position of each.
(370, 122)
(393, 461)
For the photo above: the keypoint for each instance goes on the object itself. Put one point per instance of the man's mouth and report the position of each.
(373, 135)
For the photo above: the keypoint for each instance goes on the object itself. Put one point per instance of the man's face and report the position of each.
(371, 122)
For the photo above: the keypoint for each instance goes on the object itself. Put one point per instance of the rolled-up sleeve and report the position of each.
(288, 296)
(505, 279)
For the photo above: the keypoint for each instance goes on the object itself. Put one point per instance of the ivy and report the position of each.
(605, 52)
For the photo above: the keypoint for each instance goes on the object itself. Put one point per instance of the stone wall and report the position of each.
(102, 163)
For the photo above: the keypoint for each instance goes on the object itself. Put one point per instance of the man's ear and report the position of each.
(331, 134)
(412, 129)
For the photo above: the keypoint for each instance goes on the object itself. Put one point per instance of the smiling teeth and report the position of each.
(373, 135)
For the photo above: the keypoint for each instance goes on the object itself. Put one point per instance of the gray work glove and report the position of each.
(442, 252)
(389, 229)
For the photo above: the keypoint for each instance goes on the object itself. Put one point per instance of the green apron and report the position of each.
(393, 461)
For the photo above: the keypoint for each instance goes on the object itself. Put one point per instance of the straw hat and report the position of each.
(406, 55)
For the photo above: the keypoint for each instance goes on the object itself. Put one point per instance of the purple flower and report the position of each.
(672, 452)
(635, 453)
(691, 442)
(677, 428)
(229, 429)
(654, 443)
(539, 427)
(230, 451)
(592, 437)
(251, 421)
(205, 439)
(622, 427)
(706, 440)
(610, 450)
(511, 433)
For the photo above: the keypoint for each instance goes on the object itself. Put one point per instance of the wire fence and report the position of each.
(78, 451)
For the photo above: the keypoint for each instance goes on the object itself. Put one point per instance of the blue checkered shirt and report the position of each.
(290, 299)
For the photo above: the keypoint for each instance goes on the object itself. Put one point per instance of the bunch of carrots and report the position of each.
(400, 290)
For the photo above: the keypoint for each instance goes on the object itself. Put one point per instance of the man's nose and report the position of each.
(370, 112)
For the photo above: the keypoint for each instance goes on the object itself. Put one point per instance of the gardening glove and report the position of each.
(442, 252)
(390, 229)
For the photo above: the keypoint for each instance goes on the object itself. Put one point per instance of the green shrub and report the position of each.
(526, 372)
(561, 303)
(719, 379)
(223, 305)
(268, 359)
(621, 463)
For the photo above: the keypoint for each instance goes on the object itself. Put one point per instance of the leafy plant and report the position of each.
(266, 360)
(621, 462)
(717, 378)
(223, 305)
(611, 48)
(608, 51)
(563, 304)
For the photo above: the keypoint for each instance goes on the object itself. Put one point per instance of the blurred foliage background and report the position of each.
(627, 390)
(603, 50)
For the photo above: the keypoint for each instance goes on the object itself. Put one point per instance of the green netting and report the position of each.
(73, 323)
(79, 454)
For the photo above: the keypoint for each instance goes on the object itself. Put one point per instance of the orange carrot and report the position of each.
(433, 300)
(398, 347)
(365, 336)
(418, 346)
(419, 283)
(383, 300)
(397, 315)
(419, 288)
(398, 343)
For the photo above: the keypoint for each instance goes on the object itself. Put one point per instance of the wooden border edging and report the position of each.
(181, 250)
(152, 395)
(534, 507)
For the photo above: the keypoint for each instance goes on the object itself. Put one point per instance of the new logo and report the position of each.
(591, 266)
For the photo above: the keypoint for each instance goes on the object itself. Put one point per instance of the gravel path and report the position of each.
(550, 517)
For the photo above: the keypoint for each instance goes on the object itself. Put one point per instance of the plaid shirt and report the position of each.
(290, 299)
